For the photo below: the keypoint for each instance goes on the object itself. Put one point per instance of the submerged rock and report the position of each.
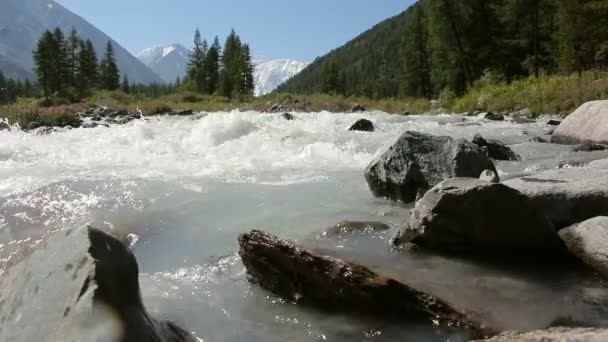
(4, 126)
(82, 287)
(346, 227)
(567, 196)
(589, 148)
(362, 125)
(288, 117)
(554, 122)
(497, 150)
(523, 113)
(471, 215)
(589, 242)
(489, 176)
(339, 286)
(418, 161)
(494, 116)
(588, 124)
(358, 108)
(554, 335)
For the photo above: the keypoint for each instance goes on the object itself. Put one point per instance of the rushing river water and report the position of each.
(187, 187)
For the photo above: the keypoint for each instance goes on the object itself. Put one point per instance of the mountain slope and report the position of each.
(168, 61)
(22, 22)
(270, 74)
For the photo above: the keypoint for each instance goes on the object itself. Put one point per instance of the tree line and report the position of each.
(223, 71)
(445, 45)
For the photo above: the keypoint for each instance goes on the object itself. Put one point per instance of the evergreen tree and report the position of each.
(44, 60)
(330, 78)
(197, 60)
(88, 68)
(60, 57)
(109, 73)
(72, 58)
(125, 86)
(415, 78)
(247, 83)
(230, 75)
(212, 66)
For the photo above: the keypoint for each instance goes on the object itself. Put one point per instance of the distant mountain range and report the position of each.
(22, 22)
(170, 61)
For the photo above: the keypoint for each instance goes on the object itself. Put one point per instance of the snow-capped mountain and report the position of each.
(168, 61)
(171, 61)
(269, 74)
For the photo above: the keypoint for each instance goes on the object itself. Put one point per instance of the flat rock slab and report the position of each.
(589, 242)
(554, 335)
(567, 196)
(334, 285)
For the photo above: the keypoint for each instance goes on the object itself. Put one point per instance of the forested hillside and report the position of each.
(445, 45)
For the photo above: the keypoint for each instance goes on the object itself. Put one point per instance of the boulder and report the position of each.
(475, 216)
(83, 286)
(358, 108)
(497, 150)
(559, 334)
(589, 148)
(4, 126)
(567, 196)
(489, 176)
(494, 116)
(362, 125)
(589, 242)
(331, 284)
(588, 124)
(417, 161)
(288, 117)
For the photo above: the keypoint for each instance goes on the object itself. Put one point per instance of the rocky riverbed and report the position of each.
(456, 258)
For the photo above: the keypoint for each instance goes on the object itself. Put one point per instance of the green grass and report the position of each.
(544, 95)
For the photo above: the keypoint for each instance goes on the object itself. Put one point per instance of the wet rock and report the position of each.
(588, 124)
(494, 116)
(523, 113)
(96, 118)
(347, 227)
(33, 125)
(288, 117)
(560, 334)
(474, 216)
(521, 120)
(489, 176)
(83, 286)
(362, 125)
(553, 123)
(418, 161)
(358, 108)
(184, 112)
(338, 286)
(538, 140)
(289, 105)
(4, 126)
(496, 149)
(589, 242)
(589, 148)
(567, 196)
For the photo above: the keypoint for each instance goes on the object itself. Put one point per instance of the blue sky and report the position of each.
(300, 30)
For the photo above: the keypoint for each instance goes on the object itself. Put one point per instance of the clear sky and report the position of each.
(299, 30)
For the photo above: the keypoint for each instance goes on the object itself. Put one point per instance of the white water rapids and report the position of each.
(185, 188)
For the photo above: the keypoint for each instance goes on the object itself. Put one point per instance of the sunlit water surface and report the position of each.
(187, 187)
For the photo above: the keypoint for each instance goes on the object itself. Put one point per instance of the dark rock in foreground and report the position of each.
(554, 335)
(338, 286)
(417, 162)
(588, 124)
(567, 196)
(497, 150)
(589, 242)
(362, 125)
(474, 216)
(288, 117)
(82, 287)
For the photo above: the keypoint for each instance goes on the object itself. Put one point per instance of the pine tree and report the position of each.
(197, 61)
(125, 85)
(109, 73)
(212, 66)
(60, 57)
(230, 74)
(44, 59)
(88, 68)
(415, 68)
(247, 83)
(72, 58)
(330, 78)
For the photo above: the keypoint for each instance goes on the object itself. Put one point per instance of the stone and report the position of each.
(358, 108)
(474, 216)
(588, 124)
(589, 242)
(288, 117)
(333, 285)
(553, 123)
(489, 176)
(184, 112)
(33, 125)
(523, 113)
(497, 150)
(362, 125)
(4, 126)
(589, 148)
(559, 334)
(567, 196)
(82, 286)
(417, 161)
(539, 140)
(494, 116)
(347, 227)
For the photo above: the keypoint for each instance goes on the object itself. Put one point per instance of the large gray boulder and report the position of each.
(554, 335)
(589, 242)
(471, 215)
(588, 124)
(417, 161)
(567, 196)
(83, 286)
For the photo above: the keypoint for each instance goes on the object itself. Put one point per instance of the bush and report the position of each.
(191, 97)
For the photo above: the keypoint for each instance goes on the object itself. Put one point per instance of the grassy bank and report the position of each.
(547, 94)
